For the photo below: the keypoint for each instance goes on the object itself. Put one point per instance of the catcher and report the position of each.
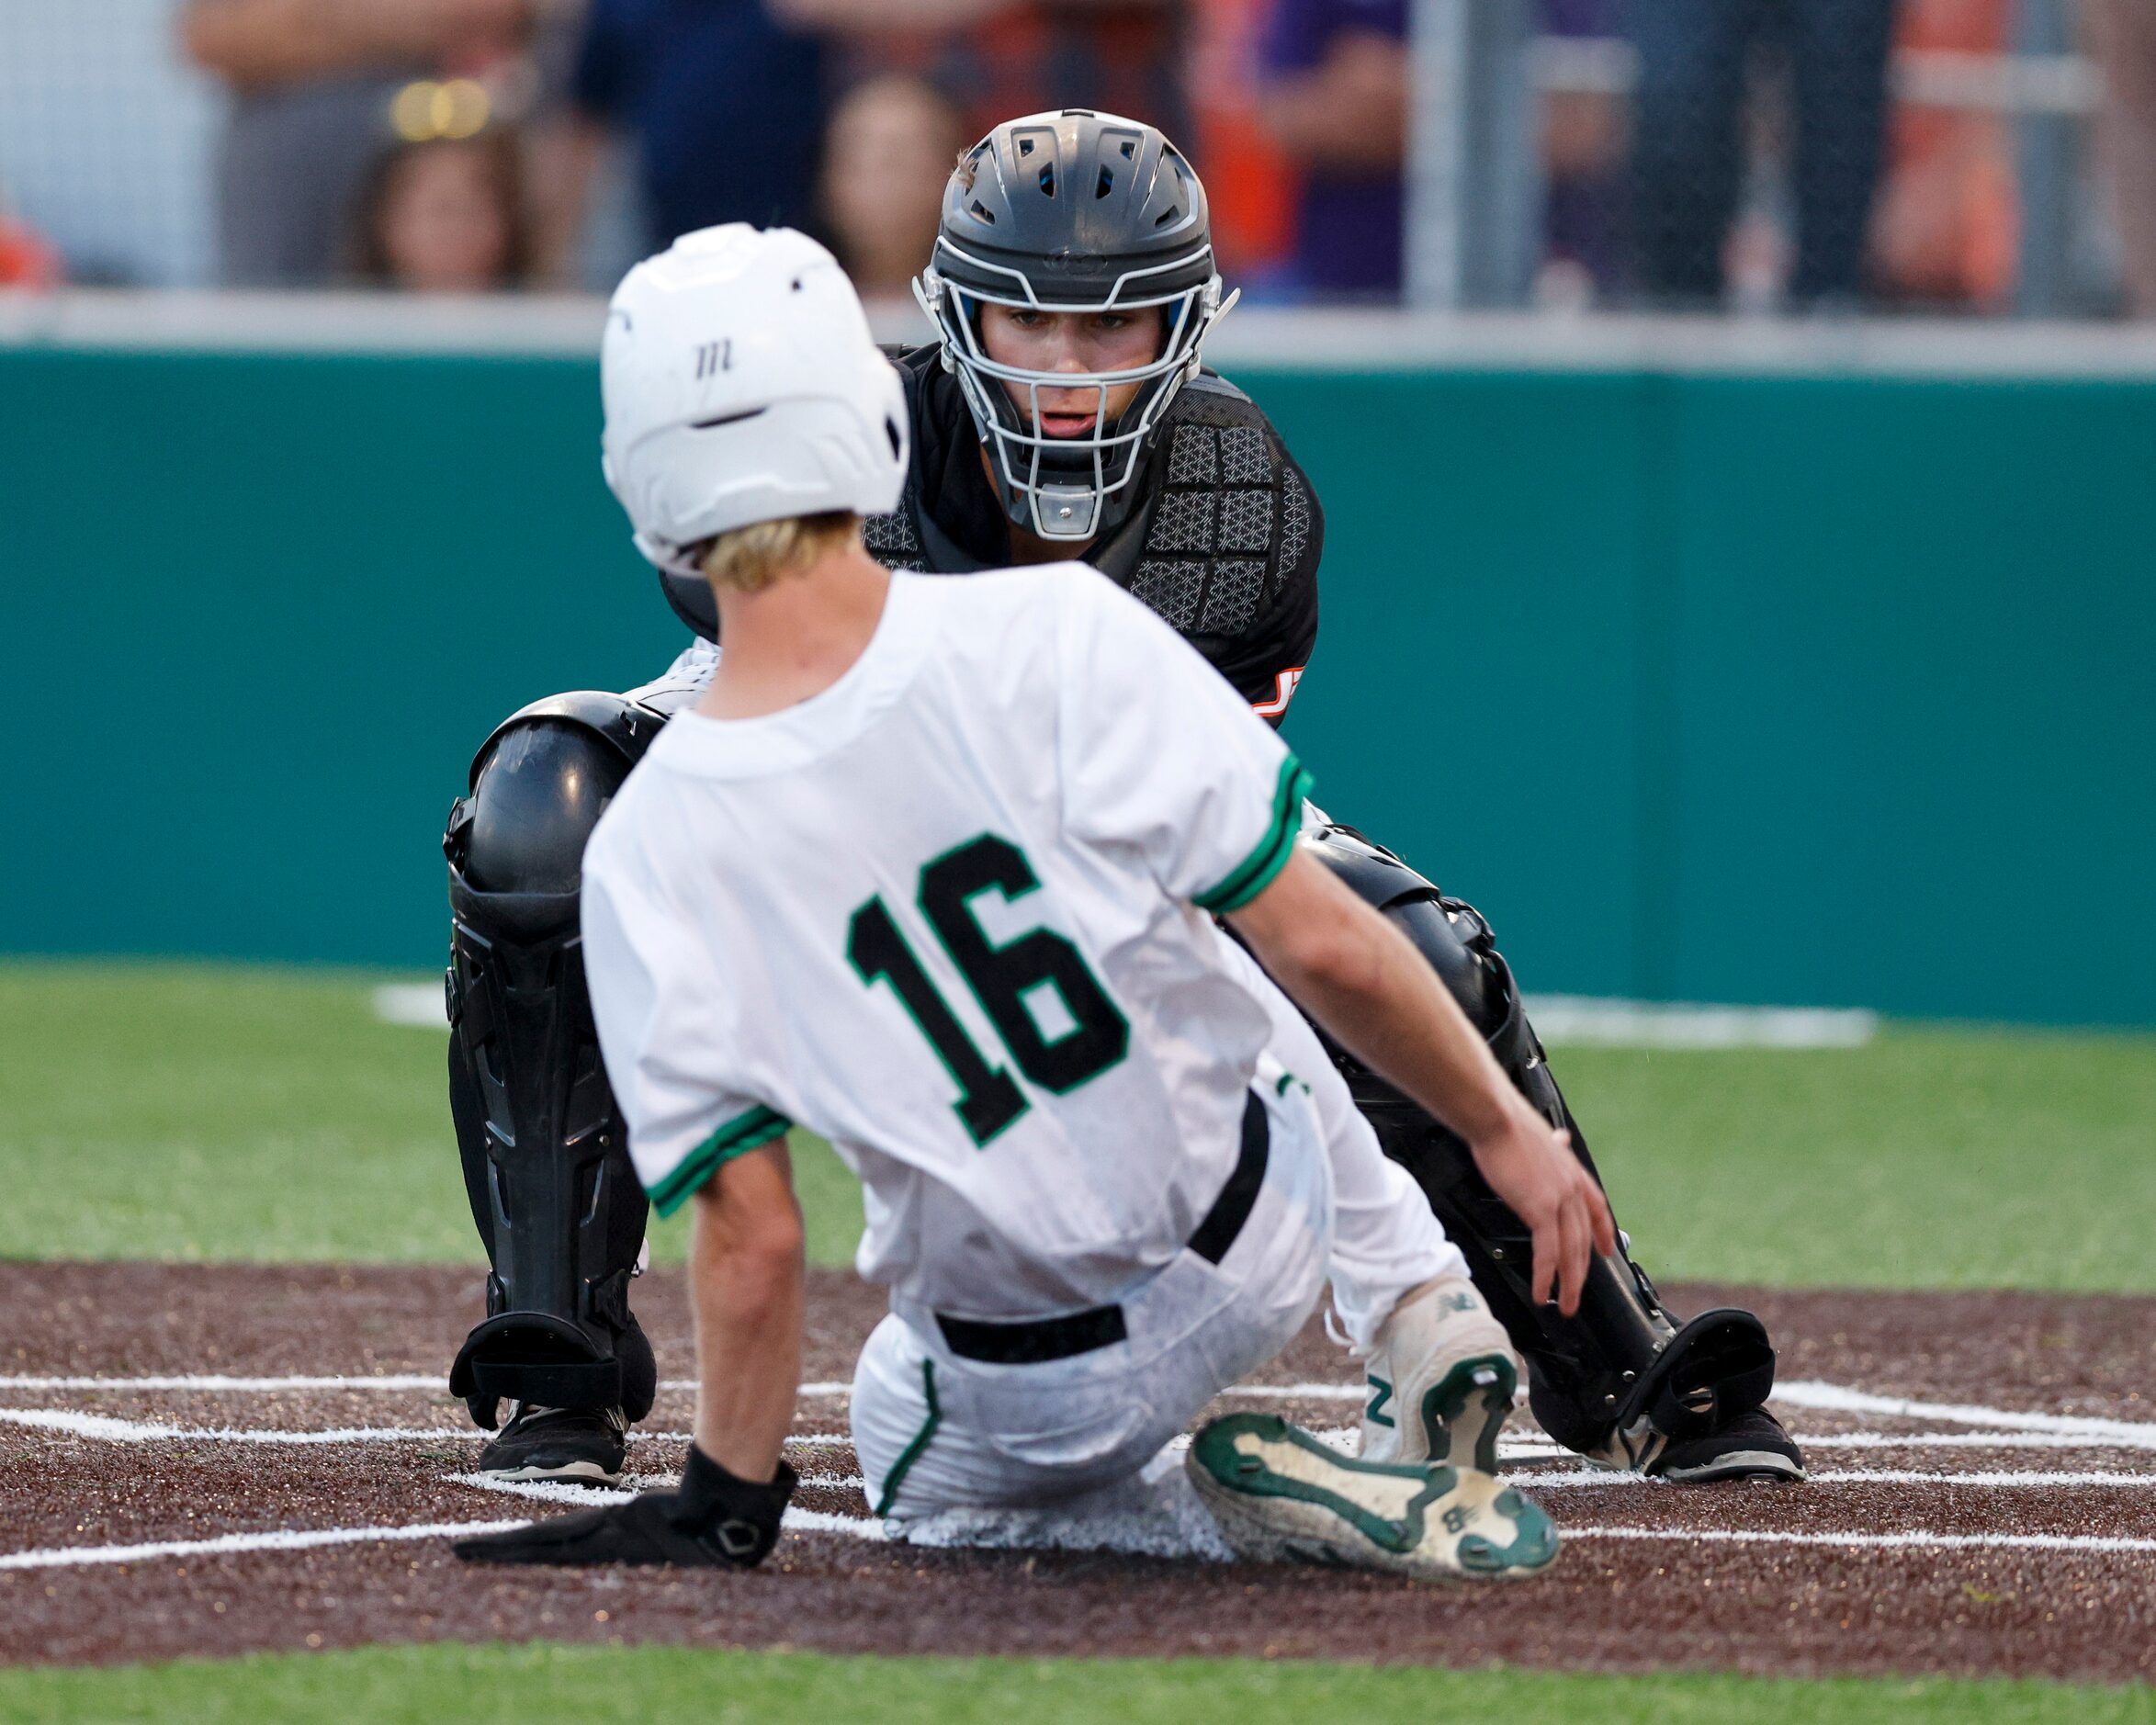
(1063, 412)
(916, 870)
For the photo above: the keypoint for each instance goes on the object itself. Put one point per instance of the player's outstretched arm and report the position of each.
(745, 1273)
(746, 1257)
(1357, 974)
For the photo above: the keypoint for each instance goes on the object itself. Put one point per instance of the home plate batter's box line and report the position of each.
(1806, 1394)
(103, 1428)
(818, 1521)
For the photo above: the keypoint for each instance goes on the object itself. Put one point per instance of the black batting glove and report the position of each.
(714, 1521)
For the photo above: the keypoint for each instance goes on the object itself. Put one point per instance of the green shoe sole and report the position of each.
(1472, 1400)
(1281, 1495)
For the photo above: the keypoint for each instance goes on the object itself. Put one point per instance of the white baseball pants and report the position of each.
(936, 1432)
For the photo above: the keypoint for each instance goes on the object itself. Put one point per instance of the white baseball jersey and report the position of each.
(953, 914)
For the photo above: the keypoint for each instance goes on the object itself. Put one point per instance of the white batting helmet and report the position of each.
(741, 384)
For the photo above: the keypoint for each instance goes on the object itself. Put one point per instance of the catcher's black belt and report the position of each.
(1034, 1340)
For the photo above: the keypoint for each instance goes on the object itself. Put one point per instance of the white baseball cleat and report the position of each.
(1281, 1495)
(1443, 1377)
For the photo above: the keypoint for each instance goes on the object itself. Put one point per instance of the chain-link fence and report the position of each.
(1919, 154)
(1930, 155)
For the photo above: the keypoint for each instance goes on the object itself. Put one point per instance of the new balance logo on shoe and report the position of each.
(1377, 1402)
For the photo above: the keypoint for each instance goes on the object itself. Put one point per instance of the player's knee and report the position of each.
(537, 795)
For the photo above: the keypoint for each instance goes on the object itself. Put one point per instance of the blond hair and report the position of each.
(749, 560)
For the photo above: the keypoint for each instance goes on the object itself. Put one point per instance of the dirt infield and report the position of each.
(1983, 1501)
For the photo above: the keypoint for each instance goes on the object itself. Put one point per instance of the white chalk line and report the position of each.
(282, 1539)
(135, 1431)
(221, 1384)
(570, 1491)
(1917, 1540)
(1837, 1398)
(856, 1526)
(107, 1429)
(1956, 1440)
(1803, 1393)
(1997, 1480)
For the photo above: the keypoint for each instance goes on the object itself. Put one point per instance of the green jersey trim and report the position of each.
(1255, 873)
(744, 1132)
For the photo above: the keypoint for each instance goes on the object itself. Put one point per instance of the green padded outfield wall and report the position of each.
(1777, 688)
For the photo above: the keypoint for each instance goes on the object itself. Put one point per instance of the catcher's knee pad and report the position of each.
(544, 1153)
(1622, 1377)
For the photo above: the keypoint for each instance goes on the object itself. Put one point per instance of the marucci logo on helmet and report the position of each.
(795, 412)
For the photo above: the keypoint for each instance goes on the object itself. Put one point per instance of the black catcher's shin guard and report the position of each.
(546, 1156)
(1622, 1378)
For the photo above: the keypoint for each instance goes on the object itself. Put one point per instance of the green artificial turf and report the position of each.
(646, 1685)
(225, 1112)
(214, 1111)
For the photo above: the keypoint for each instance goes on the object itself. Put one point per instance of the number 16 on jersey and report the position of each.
(1004, 980)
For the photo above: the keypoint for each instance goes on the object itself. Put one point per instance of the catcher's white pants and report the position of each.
(936, 1432)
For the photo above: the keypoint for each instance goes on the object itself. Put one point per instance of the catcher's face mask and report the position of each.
(1059, 486)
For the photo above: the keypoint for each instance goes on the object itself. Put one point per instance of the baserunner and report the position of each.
(931, 868)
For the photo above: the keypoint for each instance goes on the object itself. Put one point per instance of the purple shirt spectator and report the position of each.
(1347, 220)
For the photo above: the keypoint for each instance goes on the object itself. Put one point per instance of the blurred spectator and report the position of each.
(1948, 229)
(1249, 181)
(2123, 33)
(1586, 141)
(1688, 160)
(25, 260)
(446, 216)
(889, 149)
(722, 100)
(1001, 59)
(1335, 98)
(312, 81)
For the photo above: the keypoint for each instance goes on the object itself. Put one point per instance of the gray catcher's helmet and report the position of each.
(1081, 212)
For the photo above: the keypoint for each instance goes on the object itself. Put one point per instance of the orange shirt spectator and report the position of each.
(1249, 181)
(25, 260)
(1947, 227)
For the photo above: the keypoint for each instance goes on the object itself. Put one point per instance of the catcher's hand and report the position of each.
(715, 1521)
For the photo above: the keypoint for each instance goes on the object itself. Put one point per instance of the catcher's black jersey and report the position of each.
(1225, 545)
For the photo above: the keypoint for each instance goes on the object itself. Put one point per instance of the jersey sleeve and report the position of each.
(1158, 757)
(656, 999)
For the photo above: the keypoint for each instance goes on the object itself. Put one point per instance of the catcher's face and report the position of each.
(1078, 343)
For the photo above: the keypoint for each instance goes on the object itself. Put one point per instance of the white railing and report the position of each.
(2062, 85)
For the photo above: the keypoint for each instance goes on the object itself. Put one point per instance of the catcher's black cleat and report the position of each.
(715, 1521)
(571, 1444)
(1750, 1446)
